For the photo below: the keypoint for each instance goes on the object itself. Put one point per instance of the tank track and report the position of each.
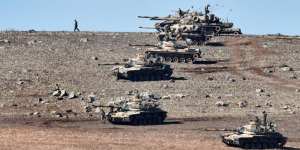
(175, 57)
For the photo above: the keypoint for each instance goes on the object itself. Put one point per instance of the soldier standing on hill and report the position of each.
(76, 26)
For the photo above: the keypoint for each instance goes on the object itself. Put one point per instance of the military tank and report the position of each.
(172, 52)
(139, 109)
(256, 135)
(143, 69)
(194, 26)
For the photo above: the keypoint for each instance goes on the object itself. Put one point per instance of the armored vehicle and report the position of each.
(172, 52)
(140, 109)
(191, 25)
(256, 135)
(143, 69)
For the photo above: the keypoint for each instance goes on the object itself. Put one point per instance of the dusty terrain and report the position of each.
(261, 71)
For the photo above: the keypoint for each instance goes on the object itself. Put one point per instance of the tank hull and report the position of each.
(146, 75)
(272, 140)
(175, 57)
(143, 118)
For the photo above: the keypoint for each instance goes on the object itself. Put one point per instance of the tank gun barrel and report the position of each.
(147, 28)
(159, 18)
(147, 45)
(217, 129)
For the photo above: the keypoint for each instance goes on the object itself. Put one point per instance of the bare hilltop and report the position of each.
(239, 77)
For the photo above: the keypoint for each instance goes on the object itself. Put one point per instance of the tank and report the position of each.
(256, 135)
(192, 26)
(143, 69)
(172, 52)
(140, 109)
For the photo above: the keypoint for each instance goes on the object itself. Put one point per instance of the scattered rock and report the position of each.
(258, 105)
(91, 98)
(210, 78)
(208, 96)
(84, 40)
(95, 58)
(5, 41)
(96, 104)
(40, 100)
(232, 80)
(20, 82)
(88, 109)
(32, 42)
(69, 111)
(165, 86)
(56, 93)
(243, 104)
(38, 114)
(269, 70)
(259, 90)
(292, 112)
(285, 69)
(286, 107)
(132, 92)
(98, 110)
(293, 76)
(298, 90)
(53, 112)
(58, 115)
(72, 95)
(166, 97)
(63, 93)
(269, 104)
(222, 104)
(179, 96)
(25, 70)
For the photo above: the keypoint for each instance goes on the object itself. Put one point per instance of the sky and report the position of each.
(252, 16)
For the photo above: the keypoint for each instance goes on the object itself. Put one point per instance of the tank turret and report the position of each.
(257, 134)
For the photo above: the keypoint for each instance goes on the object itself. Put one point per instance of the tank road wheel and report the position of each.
(152, 77)
(158, 77)
(236, 33)
(158, 120)
(253, 145)
(181, 60)
(195, 56)
(188, 60)
(265, 145)
(135, 121)
(142, 121)
(259, 145)
(168, 59)
(247, 146)
(175, 60)
(218, 29)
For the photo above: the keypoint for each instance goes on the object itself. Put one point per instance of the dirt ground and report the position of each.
(232, 70)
